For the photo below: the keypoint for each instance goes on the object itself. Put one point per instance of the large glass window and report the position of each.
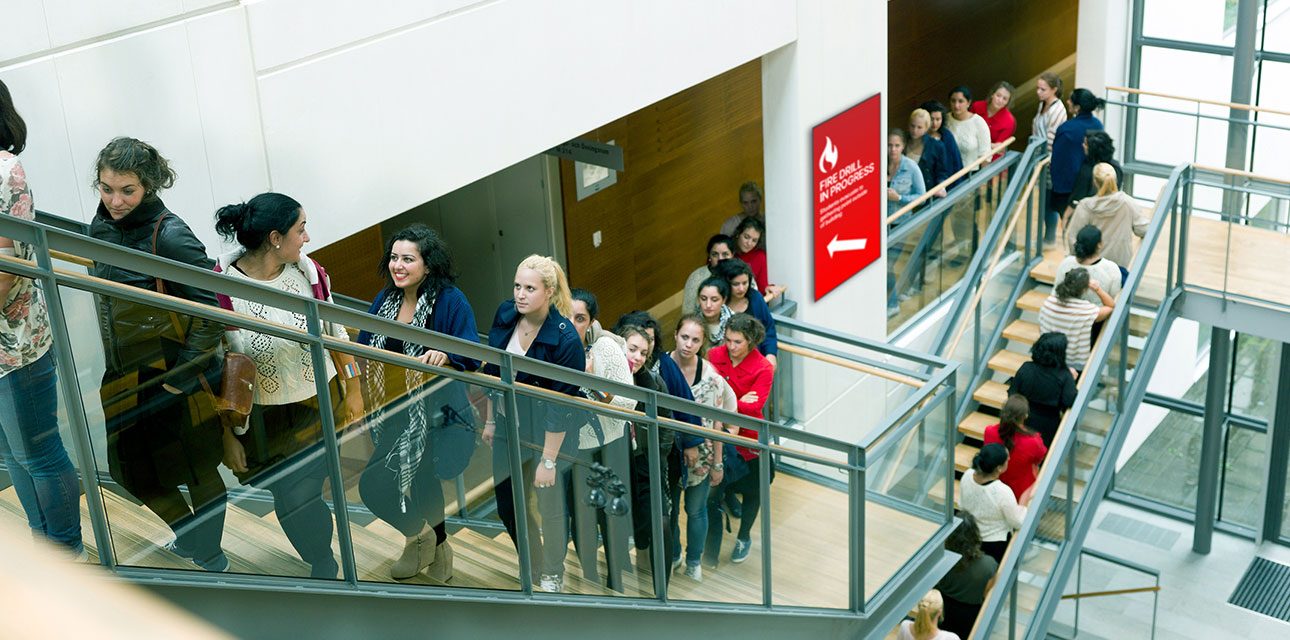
(1274, 91)
(1203, 21)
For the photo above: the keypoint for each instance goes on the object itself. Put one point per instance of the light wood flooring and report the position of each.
(808, 525)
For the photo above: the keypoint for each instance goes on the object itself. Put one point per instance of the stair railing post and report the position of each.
(519, 493)
(331, 444)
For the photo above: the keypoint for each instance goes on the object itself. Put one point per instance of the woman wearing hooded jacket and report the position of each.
(1116, 214)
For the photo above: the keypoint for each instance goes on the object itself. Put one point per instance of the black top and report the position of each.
(966, 584)
(1084, 181)
(1050, 391)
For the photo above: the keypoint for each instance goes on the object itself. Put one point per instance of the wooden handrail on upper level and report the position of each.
(854, 366)
(1240, 174)
(931, 192)
(1216, 103)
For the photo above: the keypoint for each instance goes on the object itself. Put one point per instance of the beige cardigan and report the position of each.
(1118, 216)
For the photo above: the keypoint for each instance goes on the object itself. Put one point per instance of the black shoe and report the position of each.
(733, 507)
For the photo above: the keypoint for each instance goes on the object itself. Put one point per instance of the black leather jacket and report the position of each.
(137, 335)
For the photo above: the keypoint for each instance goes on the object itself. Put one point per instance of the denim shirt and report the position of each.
(908, 182)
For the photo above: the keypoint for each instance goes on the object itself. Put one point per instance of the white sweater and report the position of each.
(972, 136)
(993, 505)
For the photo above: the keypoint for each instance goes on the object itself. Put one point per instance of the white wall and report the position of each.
(1102, 53)
(838, 60)
(360, 110)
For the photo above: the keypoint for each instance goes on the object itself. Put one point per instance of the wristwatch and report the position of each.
(718, 467)
(548, 463)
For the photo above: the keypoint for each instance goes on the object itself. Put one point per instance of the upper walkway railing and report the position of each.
(868, 547)
(1185, 250)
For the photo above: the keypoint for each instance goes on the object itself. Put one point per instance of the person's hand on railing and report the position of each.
(434, 358)
(490, 429)
(1027, 495)
(749, 397)
(892, 195)
(691, 456)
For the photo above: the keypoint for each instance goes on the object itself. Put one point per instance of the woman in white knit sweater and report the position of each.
(601, 441)
(997, 511)
(969, 129)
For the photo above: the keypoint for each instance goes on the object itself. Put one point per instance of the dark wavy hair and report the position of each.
(1101, 148)
(963, 89)
(751, 328)
(989, 458)
(1086, 101)
(434, 252)
(13, 129)
(733, 268)
(965, 540)
(1050, 350)
(1012, 419)
(1086, 242)
(720, 238)
(1073, 285)
(589, 299)
(719, 283)
(251, 222)
(131, 155)
(643, 319)
(934, 106)
(750, 223)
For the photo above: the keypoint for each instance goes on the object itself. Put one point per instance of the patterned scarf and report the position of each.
(405, 456)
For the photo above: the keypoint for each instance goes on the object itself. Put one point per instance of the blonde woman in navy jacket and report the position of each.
(535, 323)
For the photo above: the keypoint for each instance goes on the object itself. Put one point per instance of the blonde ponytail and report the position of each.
(927, 614)
(1104, 179)
(553, 277)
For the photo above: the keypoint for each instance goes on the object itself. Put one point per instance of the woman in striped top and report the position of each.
(1066, 311)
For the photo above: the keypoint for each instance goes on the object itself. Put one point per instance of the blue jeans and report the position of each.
(42, 474)
(696, 520)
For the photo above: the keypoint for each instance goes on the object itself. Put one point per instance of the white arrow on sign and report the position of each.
(836, 245)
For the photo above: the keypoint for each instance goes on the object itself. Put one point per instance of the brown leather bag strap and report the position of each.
(161, 288)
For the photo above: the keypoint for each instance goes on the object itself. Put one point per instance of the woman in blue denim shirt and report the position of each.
(904, 179)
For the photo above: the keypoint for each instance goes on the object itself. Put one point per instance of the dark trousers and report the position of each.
(642, 523)
(750, 487)
(996, 549)
(158, 441)
(379, 489)
(293, 472)
(959, 616)
(591, 524)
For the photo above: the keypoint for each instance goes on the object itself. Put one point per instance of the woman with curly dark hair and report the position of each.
(162, 432)
(426, 435)
(1047, 383)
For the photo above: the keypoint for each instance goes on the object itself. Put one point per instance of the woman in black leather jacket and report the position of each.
(162, 430)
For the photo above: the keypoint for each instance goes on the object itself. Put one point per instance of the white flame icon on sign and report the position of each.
(829, 156)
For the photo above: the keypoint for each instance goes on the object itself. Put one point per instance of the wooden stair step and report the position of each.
(973, 426)
(937, 493)
(1045, 272)
(1032, 300)
(1008, 362)
(963, 454)
(1022, 331)
(1095, 421)
(991, 394)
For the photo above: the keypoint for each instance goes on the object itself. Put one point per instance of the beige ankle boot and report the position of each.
(418, 554)
(441, 567)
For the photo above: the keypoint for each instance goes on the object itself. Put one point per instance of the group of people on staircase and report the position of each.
(166, 438)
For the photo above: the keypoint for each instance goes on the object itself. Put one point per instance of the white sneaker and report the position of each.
(694, 572)
(676, 564)
(551, 583)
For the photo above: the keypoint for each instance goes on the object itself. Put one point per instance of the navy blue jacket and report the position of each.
(1068, 151)
(556, 342)
(452, 316)
(933, 163)
(758, 308)
(677, 386)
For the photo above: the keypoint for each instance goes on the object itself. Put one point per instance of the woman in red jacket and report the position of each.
(1026, 448)
(750, 374)
(996, 113)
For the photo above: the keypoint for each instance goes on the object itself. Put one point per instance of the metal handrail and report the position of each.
(931, 191)
(1217, 103)
(46, 239)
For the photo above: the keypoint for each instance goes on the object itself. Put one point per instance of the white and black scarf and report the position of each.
(405, 456)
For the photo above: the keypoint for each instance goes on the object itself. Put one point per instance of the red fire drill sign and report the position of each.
(846, 153)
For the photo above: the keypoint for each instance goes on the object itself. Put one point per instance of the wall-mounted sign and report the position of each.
(845, 157)
(601, 154)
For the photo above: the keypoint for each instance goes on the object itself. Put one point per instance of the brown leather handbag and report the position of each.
(237, 383)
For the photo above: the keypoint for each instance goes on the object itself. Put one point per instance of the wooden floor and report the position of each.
(808, 525)
(1244, 264)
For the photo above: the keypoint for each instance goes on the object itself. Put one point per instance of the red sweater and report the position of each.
(756, 259)
(1028, 451)
(1002, 125)
(753, 374)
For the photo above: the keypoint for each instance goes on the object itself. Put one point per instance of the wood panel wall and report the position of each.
(935, 45)
(685, 157)
(351, 263)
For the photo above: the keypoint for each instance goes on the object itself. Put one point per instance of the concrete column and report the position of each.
(1211, 444)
